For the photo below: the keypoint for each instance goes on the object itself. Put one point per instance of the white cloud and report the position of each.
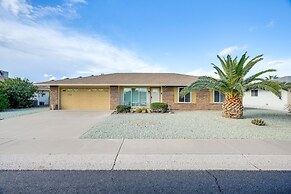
(32, 49)
(52, 78)
(202, 72)
(16, 6)
(275, 62)
(49, 76)
(78, 1)
(270, 24)
(283, 66)
(231, 50)
(24, 9)
(228, 50)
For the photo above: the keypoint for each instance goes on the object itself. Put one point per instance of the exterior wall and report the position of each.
(201, 100)
(114, 97)
(42, 96)
(266, 100)
(3, 74)
(54, 97)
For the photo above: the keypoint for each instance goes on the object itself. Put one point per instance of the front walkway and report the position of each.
(119, 154)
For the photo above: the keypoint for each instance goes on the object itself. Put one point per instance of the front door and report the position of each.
(155, 95)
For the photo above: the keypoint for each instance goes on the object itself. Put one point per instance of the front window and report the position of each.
(186, 98)
(218, 97)
(135, 96)
(254, 93)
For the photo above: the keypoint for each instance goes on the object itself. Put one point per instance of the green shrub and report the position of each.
(19, 92)
(138, 110)
(159, 107)
(123, 108)
(4, 102)
(258, 122)
(144, 110)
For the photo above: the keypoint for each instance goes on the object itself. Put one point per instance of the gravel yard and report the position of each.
(19, 112)
(193, 125)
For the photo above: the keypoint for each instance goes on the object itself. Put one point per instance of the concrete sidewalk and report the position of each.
(148, 154)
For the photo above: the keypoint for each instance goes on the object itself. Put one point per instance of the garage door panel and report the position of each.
(85, 99)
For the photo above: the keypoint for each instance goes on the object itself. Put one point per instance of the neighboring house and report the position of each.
(106, 91)
(267, 100)
(3, 75)
(42, 96)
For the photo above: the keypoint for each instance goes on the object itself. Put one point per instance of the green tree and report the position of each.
(4, 103)
(233, 82)
(19, 92)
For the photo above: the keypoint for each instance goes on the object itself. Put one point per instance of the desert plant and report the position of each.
(144, 110)
(233, 83)
(4, 102)
(138, 110)
(159, 107)
(258, 122)
(123, 108)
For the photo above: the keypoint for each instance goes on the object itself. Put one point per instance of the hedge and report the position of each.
(123, 108)
(159, 107)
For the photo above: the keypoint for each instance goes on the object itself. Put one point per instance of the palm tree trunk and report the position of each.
(232, 107)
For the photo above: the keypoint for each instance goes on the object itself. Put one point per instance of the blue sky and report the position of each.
(44, 40)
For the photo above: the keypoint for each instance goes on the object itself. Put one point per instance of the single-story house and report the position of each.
(41, 96)
(106, 91)
(267, 100)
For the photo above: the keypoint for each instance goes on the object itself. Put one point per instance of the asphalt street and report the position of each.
(145, 181)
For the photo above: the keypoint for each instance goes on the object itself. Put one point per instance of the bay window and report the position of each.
(135, 96)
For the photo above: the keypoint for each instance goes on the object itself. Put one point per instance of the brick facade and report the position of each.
(54, 101)
(202, 101)
(114, 97)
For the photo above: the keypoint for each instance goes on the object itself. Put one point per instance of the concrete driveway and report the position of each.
(51, 125)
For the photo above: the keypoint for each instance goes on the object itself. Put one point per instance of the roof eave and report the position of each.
(51, 84)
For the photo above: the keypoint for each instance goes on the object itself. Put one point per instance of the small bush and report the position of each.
(144, 110)
(4, 102)
(258, 122)
(159, 107)
(123, 108)
(138, 110)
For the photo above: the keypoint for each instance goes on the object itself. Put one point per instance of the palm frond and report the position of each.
(240, 65)
(253, 77)
(268, 85)
(220, 73)
(251, 64)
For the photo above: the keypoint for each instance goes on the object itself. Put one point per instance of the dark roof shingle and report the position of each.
(120, 79)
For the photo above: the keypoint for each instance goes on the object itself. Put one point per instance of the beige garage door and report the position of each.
(85, 99)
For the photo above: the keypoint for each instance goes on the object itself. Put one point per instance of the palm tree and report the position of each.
(233, 82)
(271, 77)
